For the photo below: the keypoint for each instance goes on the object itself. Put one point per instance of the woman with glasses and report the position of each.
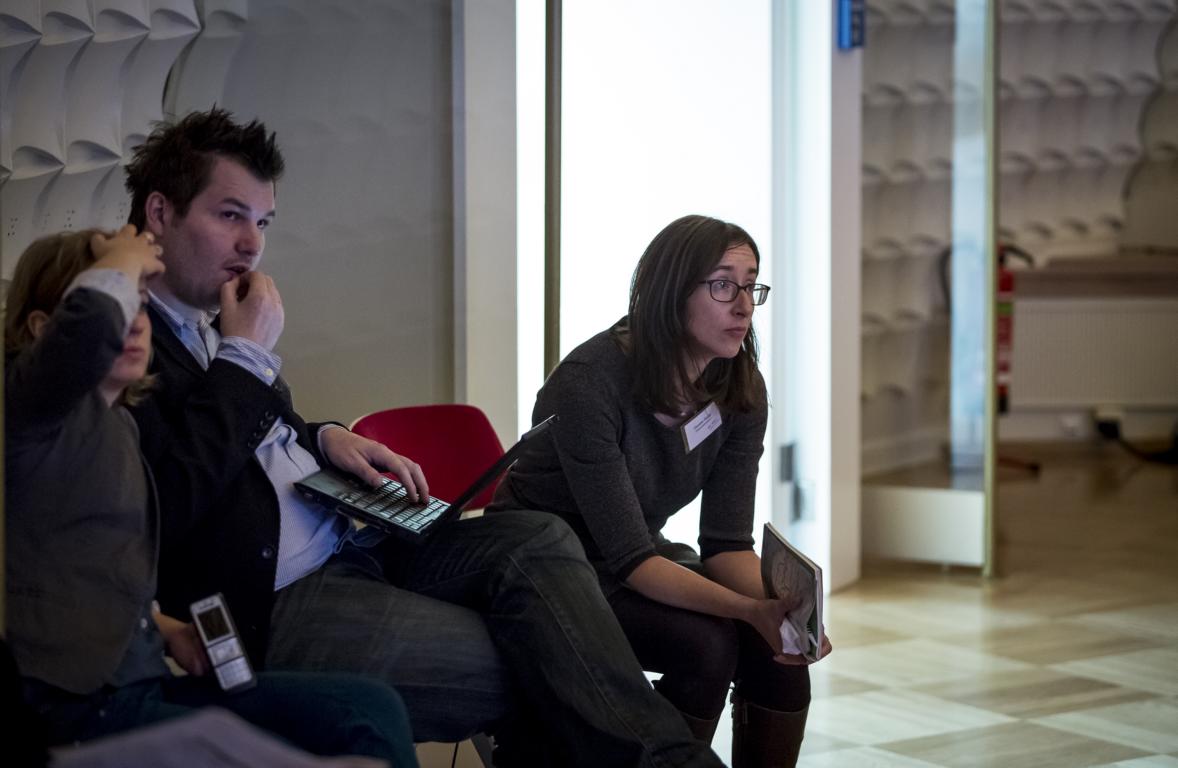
(665, 404)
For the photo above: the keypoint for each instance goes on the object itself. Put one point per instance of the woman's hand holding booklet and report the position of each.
(786, 571)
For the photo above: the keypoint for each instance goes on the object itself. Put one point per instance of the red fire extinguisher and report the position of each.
(1004, 316)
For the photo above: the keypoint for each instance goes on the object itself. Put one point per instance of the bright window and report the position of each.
(666, 111)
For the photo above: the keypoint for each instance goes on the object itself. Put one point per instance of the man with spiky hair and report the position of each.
(490, 618)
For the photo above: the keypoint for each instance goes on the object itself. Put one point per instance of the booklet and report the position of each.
(785, 570)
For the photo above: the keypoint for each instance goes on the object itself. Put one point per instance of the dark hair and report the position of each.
(44, 271)
(176, 160)
(655, 331)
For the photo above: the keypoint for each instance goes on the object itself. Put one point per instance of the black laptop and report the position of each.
(388, 507)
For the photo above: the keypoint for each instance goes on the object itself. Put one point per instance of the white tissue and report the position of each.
(793, 641)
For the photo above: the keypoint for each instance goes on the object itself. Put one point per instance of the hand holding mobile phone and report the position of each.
(224, 647)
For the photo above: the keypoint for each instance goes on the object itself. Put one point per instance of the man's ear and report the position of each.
(157, 212)
(36, 322)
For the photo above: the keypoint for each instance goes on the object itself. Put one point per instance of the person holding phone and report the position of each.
(666, 404)
(83, 525)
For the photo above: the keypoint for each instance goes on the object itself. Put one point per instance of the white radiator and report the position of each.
(1085, 352)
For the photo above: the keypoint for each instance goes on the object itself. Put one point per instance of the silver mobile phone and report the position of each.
(225, 650)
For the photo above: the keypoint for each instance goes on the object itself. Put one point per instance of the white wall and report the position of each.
(485, 295)
(818, 338)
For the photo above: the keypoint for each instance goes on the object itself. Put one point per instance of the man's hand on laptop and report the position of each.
(251, 308)
(366, 459)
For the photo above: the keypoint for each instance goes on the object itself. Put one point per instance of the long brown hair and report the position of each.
(654, 333)
(45, 270)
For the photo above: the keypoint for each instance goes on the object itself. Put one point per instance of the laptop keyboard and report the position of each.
(391, 501)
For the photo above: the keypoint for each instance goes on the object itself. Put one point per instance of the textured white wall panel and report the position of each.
(20, 31)
(172, 28)
(203, 67)
(93, 113)
(174, 18)
(65, 19)
(80, 83)
(110, 204)
(20, 15)
(114, 19)
(118, 19)
(39, 104)
(23, 206)
(71, 200)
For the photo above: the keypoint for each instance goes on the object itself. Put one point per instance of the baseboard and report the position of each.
(1054, 425)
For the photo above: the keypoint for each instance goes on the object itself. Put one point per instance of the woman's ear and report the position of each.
(36, 322)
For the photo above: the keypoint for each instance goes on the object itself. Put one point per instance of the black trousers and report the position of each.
(701, 656)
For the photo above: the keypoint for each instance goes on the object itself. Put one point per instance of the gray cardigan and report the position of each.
(82, 534)
(612, 471)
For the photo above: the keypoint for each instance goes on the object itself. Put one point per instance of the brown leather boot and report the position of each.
(764, 738)
(702, 730)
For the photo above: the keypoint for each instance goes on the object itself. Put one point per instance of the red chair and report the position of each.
(454, 444)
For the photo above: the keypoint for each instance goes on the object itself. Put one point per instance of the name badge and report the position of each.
(702, 424)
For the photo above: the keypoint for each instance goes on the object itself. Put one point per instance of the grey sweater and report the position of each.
(615, 474)
(82, 531)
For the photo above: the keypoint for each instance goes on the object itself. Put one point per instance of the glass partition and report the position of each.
(928, 393)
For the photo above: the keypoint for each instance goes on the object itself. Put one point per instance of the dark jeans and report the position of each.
(323, 714)
(347, 617)
(509, 593)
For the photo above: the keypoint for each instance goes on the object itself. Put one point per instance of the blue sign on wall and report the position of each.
(850, 24)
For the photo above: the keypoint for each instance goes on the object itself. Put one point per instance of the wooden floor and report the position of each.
(1068, 658)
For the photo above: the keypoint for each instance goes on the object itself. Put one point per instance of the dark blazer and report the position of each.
(81, 529)
(219, 513)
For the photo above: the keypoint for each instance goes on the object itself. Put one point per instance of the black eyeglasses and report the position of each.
(726, 290)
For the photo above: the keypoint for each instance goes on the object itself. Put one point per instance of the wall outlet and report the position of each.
(801, 501)
(1072, 425)
(1107, 420)
(787, 463)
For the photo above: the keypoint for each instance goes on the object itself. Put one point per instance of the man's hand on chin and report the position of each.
(251, 308)
(366, 459)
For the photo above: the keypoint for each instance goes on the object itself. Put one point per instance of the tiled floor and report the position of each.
(1069, 658)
